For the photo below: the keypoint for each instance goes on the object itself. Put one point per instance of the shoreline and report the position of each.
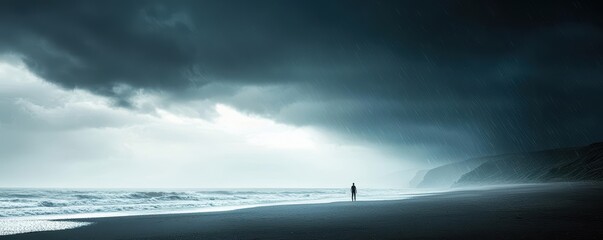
(403, 194)
(557, 211)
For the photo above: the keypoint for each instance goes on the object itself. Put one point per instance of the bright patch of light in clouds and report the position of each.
(52, 137)
(264, 132)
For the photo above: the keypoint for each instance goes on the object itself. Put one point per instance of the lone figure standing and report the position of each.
(353, 192)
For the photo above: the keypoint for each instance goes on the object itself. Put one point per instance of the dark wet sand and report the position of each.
(552, 211)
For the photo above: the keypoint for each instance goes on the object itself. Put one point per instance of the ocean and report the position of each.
(73, 203)
(25, 210)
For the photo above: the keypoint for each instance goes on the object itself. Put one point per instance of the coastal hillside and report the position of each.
(519, 167)
(587, 166)
(566, 164)
(418, 178)
(445, 176)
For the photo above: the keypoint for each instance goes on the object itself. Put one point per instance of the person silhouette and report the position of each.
(353, 192)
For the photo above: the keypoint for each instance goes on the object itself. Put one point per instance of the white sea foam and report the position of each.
(12, 226)
(30, 210)
(51, 202)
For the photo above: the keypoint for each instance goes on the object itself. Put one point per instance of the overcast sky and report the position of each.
(288, 93)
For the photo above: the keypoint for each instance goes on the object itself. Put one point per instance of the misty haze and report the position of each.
(300, 119)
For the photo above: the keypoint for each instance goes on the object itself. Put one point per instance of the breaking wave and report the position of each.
(50, 202)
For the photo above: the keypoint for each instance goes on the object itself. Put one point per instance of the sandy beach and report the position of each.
(544, 211)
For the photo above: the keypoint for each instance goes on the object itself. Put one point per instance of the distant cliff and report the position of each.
(567, 164)
(587, 166)
(445, 176)
(519, 168)
(418, 178)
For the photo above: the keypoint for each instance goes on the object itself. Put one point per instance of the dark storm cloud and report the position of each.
(459, 77)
